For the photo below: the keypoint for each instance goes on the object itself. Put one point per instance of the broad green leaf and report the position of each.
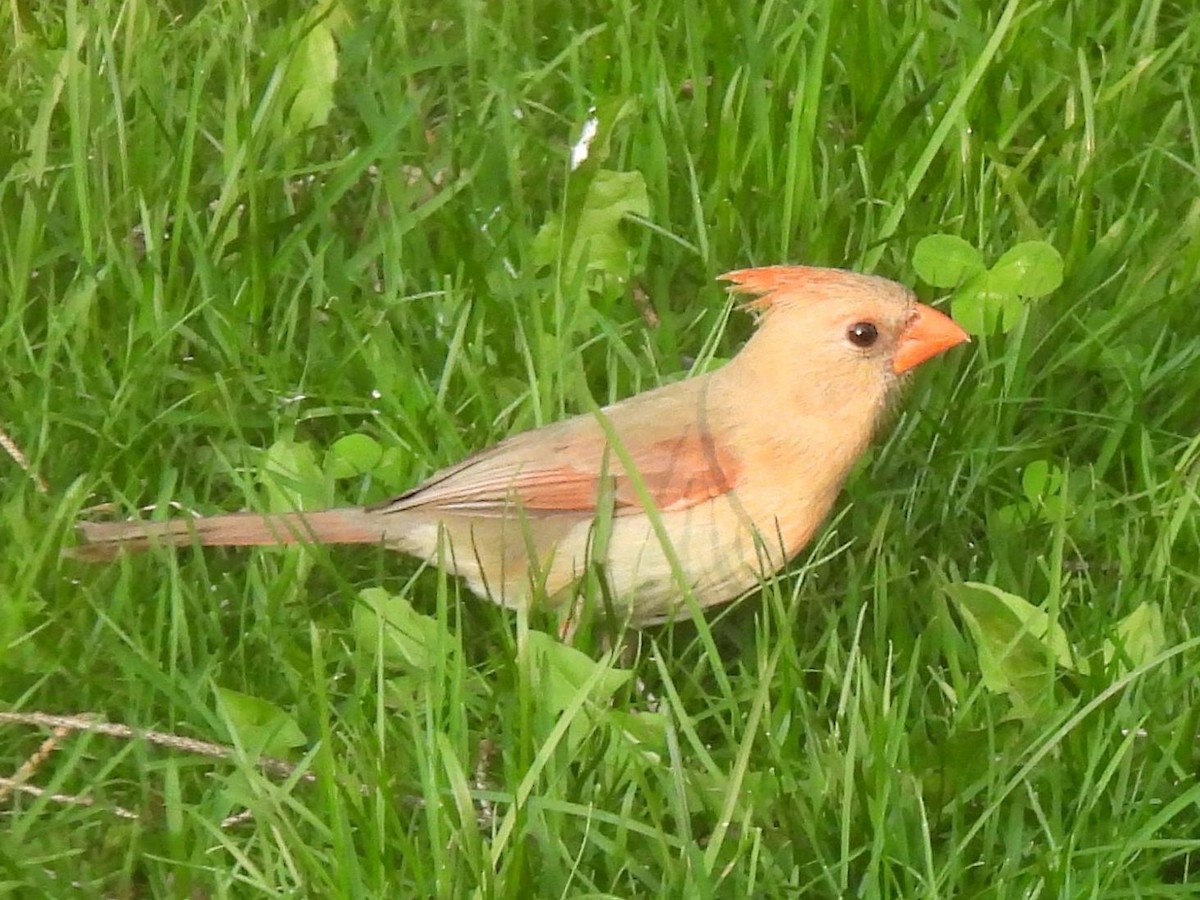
(981, 309)
(565, 670)
(1031, 269)
(1041, 481)
(598, 244)
(1009, 309)
(562, 672)
(983, 314)
(970, 312)
(388, 624)
(1017, 643)
(352, 455)
(311, 74)
(394, 469)
(1141, 636)
(945, 260)
(1034, 478)
(1013, 514)
(1042, 484)
(292, 478)
(643, 734)
(262, 728)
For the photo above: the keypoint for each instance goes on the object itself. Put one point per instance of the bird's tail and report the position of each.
(104, 540)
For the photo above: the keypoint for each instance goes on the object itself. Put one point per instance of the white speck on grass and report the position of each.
(583, 146)
(376, 394)
(488, 221)
(295, 398)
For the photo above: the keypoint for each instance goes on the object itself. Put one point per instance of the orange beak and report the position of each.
(929, 332)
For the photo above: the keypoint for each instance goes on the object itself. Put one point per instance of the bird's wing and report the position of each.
(569, 467)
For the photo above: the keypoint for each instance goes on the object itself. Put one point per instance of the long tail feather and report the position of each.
(104, 540)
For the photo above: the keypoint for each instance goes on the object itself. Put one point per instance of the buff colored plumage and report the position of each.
(740, 466)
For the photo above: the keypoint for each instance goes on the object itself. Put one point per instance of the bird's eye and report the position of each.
(863, 335)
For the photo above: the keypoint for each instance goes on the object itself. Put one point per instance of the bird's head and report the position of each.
(845, 320)
(838, 338)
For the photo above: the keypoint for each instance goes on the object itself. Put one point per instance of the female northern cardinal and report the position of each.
(715, 480)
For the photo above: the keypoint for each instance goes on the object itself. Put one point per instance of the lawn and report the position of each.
(257, 256)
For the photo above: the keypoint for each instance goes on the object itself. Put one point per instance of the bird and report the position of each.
(686, 495)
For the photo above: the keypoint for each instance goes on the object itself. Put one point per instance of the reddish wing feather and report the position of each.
(677, 472)
(556, 490)
(682, 471)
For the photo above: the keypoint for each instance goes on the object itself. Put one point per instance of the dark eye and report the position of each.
(863, 335)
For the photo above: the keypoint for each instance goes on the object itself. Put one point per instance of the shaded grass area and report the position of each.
(194, 269)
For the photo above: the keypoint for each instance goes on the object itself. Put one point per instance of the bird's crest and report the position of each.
(770, 286)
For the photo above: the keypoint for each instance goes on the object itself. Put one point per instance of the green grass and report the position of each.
(190, 276)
